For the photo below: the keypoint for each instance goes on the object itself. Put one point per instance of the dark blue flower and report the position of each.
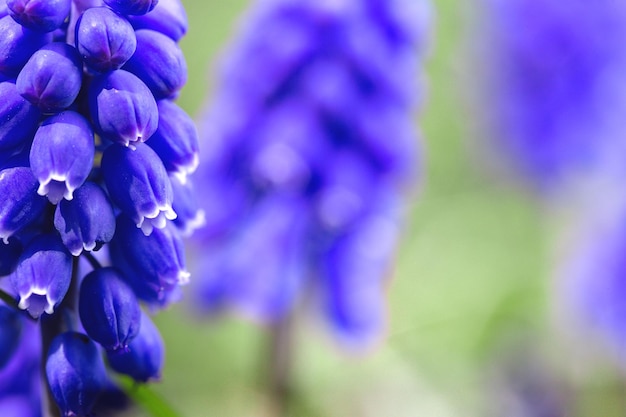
(308, 148)
(75, 372)
(9, 254)
(108, 308)
(144, 358)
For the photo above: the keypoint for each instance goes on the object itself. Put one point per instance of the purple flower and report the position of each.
(554, 92)
(139, 185)
(39, 15)
(43, 275)
(104, 39)
(52, 77)
(76, 373)
(109, 310)
(168, 17)
(72, 131)
(309, 140)
(159, 63)
(144, 358)
(122, 108)
(62, 165)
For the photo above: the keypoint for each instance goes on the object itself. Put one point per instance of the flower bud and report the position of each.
(19, 118)
(52, 77)
(43, 275)
(62, 155)
(138, 183)
(10, 330)
(21, 205)
(168, 17)
(153, 265)
(176, 140)
(17, 44)
(75, 372)
(9, 254)
(159, 63)
(39, 15)
(104, 39)
(122, 108)
(132, 7)
(144, 359)
(109, 310)
(87, 221)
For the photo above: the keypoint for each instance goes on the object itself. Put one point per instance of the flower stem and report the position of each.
(280, 385)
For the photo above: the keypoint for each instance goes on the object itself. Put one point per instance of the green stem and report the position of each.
(147, 399)
(280, 385)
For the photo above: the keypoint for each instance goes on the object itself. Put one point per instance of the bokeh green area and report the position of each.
(470, 289)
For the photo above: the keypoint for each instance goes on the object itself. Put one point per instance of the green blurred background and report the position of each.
(469, 296)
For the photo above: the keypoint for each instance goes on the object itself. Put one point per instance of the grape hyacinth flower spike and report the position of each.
(78, 175)
(309, 147)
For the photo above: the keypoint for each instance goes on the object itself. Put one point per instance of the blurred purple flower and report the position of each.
(554, 86)
(310, 137)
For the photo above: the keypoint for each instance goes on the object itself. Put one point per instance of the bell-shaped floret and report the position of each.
(39, 15)
(122, 108)
(159, 63)
(21, 205)
(20, 119)
(153, 265)
(76, 373)
(87, 221)
(17, 44)
(104, 39)
(52, 77)
(353, 271)
(144, 359)
(176, 140)
(9, 254)
(138, 183)
(109, 310)
(43, 275)
(168, 17)
(189, 214)
(62, 155)
(132, 7)
(10, 330)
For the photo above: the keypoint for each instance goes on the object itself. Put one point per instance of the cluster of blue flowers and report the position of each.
(308, 150)
(93, 154)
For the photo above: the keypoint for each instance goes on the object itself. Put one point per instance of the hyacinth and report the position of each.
(308, 148)
(87, 232)
(553, 94)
